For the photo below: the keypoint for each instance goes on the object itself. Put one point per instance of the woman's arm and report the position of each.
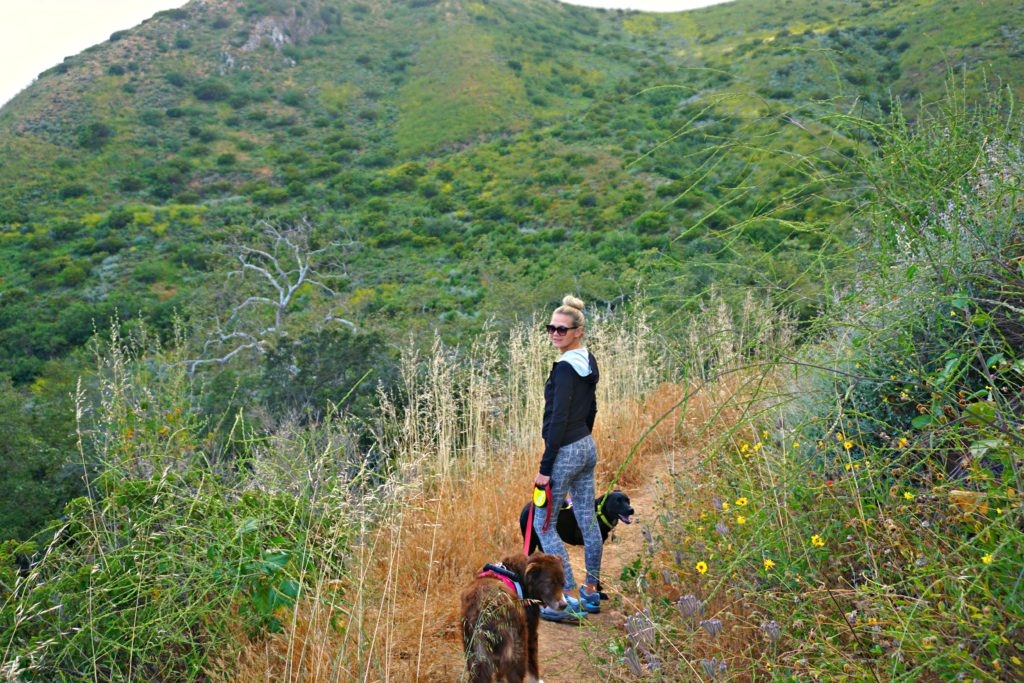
(593, 414)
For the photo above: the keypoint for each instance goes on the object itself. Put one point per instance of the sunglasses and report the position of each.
(560, 330)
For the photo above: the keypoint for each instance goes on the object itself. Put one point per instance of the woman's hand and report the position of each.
(542, 480)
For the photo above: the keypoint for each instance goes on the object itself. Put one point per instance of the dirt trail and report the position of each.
(566, 652)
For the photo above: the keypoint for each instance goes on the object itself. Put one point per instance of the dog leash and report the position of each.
(545, 502)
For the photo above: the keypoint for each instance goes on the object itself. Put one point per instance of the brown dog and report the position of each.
(499, 631)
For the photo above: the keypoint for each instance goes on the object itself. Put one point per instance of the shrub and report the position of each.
(119, 218)
(293, 97)
(212, 90)
(95, 135)
(111, 244)
(176, 78)
(72, 190)
(154, 270)
(332, 367)
(72, 276)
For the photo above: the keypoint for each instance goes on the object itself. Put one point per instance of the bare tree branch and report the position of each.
(268, 263)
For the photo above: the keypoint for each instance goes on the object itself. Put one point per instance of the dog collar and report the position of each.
(600, 512)
(510, 579)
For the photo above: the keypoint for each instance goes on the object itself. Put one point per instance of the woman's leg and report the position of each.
(581, 488)
(571, 459)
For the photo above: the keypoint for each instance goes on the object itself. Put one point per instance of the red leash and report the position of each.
(529, 520)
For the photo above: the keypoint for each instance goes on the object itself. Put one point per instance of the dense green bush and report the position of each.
(212, 90)
(332, 367)
(95, 135)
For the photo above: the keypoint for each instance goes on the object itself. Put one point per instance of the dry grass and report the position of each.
(465, 450)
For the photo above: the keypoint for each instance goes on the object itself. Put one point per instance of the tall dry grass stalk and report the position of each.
(721, 338)
(465, 449)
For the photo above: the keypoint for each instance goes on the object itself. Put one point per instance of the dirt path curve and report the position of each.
(567, 653)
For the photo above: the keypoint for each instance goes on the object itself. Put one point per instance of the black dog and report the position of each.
(611, 509)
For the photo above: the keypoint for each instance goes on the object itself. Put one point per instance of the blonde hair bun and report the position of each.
(572, 307)
(572, 302)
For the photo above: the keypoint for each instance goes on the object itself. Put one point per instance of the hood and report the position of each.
(582, 362)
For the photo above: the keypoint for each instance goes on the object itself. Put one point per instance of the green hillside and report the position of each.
(454, 141)
(460, 164)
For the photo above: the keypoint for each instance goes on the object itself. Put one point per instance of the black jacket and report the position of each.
(569, 408)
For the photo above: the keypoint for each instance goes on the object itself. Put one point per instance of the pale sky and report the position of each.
(38, 34)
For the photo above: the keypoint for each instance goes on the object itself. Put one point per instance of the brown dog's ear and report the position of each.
(516, 563)
(543, 567)
(531, 571)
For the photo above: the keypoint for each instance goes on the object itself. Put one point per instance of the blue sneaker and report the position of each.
(572, 614)
(590, 602)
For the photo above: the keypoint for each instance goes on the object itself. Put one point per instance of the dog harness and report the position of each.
(600, 509)
(510, 578)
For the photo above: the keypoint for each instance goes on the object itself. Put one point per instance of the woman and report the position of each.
(570, 454)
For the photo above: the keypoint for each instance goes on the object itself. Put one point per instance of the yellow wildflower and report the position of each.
(796, 444)
(764, 434)
(757, 446)
(702, 567)
(725, 506)
(902, 442)
(740, 519)
(908, 495)
(847, 444)
(817, 541)
(744, 448)
(768, 564)
(741, 501)
(987, 559)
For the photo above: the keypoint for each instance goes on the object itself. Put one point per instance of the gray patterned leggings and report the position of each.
(573, 473)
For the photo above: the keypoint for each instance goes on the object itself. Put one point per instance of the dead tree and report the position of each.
(275, 274)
